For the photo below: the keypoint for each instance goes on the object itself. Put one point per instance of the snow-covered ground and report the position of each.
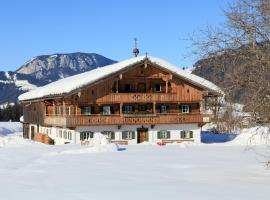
(32, 171)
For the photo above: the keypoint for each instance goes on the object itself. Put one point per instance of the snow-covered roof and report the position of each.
(69, 84)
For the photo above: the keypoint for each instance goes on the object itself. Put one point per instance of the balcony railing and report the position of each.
(95, 120)
(145, 97)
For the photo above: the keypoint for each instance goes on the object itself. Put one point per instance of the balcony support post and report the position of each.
(120, 109)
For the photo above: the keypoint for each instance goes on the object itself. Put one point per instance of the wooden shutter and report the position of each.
(158, 135)
(182, 133)
(112, 135)
(133, 135)
(190, 134)
(168, 134)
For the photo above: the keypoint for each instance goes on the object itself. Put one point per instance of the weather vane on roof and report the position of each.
(135, 50)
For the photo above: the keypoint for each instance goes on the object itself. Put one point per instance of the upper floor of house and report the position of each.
(138, 90)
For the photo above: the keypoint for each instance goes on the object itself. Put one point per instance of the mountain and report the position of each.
(44, 69)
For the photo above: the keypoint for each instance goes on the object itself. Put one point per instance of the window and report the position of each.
(127, 88)
(85, 135)
(106, 110)
(68, 110)
(58, 110)
(164, 108)
(69, 135)
(128, 135)
(157, 88)
(128, 109)
(163, 135)
(87, 110)
(186, 134)
(65, 134)
(185, 108)
(109, 134)
(142, 108)
(60, 133)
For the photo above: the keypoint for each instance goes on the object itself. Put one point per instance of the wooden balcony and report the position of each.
(144, 97)
(96, 120)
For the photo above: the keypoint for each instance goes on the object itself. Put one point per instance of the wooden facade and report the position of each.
(143, 94)
(141, 86)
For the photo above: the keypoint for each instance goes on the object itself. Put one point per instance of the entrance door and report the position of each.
(32, 132)
(142, 135)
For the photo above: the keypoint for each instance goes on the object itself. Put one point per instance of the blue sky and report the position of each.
(30, 28)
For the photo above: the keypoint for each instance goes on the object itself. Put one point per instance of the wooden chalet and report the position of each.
(143, 99)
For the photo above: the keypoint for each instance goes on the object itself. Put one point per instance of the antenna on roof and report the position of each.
(135, 50)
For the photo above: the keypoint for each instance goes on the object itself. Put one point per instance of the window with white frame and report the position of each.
(128, 135)
(86, 110)
(186, 134)
(163, 134)
(106, 110)
(163, 109)
(68, 110)
(109, 134)
(185, 108)
(128, 108)
(58, 110)
(85, 135)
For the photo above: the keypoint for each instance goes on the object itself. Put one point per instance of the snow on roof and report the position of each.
(72, 83)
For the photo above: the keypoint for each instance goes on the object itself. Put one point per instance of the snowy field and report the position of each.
(33, 171)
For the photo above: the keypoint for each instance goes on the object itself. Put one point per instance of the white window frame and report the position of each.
(58, 110)
(86, 110)
(128, 134)
(185, 108)
(109, 134)
(106, 110)
(163, 109)
(85, 135)
(128, 108)
(187, 134)
(164, 134)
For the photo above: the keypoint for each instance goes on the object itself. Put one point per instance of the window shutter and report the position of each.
(158, 135)
(168, 134)
(182, 133)
(111, 110)
(124, 135)
(168, 108)
(112, 135)
(133, 135)
(191, 134)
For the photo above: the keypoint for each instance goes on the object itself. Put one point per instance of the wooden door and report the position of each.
(32, 132)
(142, 135)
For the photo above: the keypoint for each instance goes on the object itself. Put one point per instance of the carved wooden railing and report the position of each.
(95, 120)
(144, 97)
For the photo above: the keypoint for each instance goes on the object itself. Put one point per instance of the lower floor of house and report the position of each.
(126, 134)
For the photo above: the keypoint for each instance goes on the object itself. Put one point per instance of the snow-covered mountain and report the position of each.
(44, 69)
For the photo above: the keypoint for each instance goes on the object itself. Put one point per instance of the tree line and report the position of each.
(11, 113)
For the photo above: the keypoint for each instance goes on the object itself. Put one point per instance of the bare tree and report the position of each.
(244, 43)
